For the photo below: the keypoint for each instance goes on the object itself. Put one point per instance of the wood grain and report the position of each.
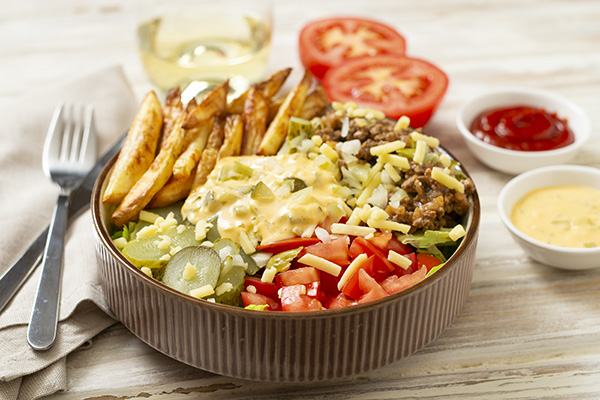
(526, 331)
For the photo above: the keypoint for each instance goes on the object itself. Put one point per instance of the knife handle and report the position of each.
(15, 276)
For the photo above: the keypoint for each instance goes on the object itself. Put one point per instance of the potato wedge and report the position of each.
(256, 111)
(271, 86)
(291, 107)
(173, 191)
(187, 161)
(153, 179)
(215, 102)
(315, 104)
(138, 150)
(171, 111)
(233, 130)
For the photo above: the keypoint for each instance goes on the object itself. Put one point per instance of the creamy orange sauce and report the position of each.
(567, 216)
(286, 214)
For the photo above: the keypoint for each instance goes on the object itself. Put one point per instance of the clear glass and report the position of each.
(199, 44)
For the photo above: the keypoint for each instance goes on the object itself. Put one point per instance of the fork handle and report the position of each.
(44, 316)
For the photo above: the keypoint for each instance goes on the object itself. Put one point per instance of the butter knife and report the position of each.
(15, 276)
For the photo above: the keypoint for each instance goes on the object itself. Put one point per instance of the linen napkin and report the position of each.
(27, 198)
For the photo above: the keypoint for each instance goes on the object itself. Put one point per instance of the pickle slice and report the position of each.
(206, 264)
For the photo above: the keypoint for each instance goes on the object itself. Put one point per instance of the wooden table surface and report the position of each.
(526, 331)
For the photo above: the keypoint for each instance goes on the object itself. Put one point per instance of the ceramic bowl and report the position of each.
(514, 190)
(282, 346)
(514, 161)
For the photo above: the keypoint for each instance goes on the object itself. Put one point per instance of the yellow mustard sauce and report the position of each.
(567, 216)
(285, 214)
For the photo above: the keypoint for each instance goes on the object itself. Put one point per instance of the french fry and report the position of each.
(215, 102)
(173, 191)
(153, 179)
(207, 162)
(291, 107)
(315, 104)
(271, 86)
(138, 150)
(172, 110)
(189, 158)
(233, 131)
(256, 111)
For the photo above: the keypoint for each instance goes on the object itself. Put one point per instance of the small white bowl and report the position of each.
(514, 161)
(515, 189)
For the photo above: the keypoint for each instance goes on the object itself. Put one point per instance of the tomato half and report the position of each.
(395, 85)
(329, 42)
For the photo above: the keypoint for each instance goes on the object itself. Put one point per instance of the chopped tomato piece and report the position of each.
(411, 268)
(373, 268)
(335, 251)
(298, 276)
(340, 301)
(361, 245)
(260, 299)
(428, 261)
(329, 42)
(287, 244)
(266, 288)
(293, 298)
(369, 286)
(395, 85)
(394, 283)
(386, 241)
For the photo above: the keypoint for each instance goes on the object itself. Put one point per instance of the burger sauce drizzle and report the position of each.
(522, 128)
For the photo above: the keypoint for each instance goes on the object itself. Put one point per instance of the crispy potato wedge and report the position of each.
(233, 130)
(187, 161)
(153, 179)
(291, 107)
(215, 102)
(271, 86)
(171, 111)
(274, 105)
(138, 150)
(256, 111)
(174, 190)
(315, 104)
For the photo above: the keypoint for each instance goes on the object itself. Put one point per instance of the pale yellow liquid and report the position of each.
(205, 49)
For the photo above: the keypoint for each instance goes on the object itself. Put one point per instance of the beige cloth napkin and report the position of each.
(27, 198)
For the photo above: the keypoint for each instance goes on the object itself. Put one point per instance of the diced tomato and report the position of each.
(411, 268)
(260, 299)
(298, 276)
(369, 286)
(428, 261)
(386, 241)
(370, 266)
(394, 283)
(329, 42)
(293, 298)
(340, 301)
(335, 251)
(329, 283)
(287, 244)
(361, 245)
(395, 85)
(266, 288)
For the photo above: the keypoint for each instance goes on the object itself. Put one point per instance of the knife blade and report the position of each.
(14, 277)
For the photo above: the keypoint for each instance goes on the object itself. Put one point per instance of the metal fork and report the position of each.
(69, 153)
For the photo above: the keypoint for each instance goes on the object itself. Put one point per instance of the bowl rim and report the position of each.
(472, 227)
(531, 174)
(581, 137)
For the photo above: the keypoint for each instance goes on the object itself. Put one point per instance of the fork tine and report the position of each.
(75, 151)
(67, 117)
(88, 140)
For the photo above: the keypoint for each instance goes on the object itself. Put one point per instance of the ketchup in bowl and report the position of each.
(522, 128)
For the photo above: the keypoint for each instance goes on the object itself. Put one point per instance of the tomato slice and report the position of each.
(260, 299)
(335, 251)
(340, 301)
(265, 288)
(329, 42)
(287, 244)
(395, 85)
(294, 299)
(298, 276)
(393, 283)
(428, 261)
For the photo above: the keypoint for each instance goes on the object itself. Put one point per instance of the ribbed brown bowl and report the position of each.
(282, 346)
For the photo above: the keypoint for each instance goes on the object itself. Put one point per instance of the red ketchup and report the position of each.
(522, 128)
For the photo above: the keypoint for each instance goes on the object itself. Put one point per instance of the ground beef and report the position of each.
(429, 205)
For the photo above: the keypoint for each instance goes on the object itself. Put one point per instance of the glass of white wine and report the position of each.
(198, 44)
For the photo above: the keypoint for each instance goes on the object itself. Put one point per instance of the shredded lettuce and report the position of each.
(427, 239)
(258, 307)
